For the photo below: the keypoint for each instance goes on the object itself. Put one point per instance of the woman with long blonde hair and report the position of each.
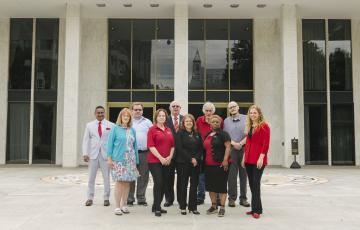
(255, 156)
(123, 157)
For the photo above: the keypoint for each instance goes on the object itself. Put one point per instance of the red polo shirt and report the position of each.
(257, 144)
(203, 127)
(162, 140)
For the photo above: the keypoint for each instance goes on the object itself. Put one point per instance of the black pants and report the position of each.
(184, 172)
(169, 189)
(254, 175)
(160, 174)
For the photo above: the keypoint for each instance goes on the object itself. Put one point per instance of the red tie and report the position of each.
(99, 129)
(176, 124)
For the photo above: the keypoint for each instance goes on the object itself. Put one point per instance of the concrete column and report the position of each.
(290, 79)
(71, 84)
(4, 76)
(181, 81)
(355, 31)
(267, 65)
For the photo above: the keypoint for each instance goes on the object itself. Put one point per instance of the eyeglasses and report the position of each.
(175, 106)
(232, 107)
(137, 109)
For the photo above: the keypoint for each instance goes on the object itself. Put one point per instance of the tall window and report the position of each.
(38, 91)
(220, 63)
(318, 47)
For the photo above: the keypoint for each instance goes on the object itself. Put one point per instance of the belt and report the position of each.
(143, 151)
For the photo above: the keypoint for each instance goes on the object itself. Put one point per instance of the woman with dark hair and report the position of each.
(189, 151)
(217, 145)
(161, 144)
(255, 155)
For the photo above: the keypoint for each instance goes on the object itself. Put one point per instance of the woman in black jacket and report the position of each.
(189, 151)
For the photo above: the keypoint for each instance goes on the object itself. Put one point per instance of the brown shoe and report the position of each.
(88, 202)
(106, 203)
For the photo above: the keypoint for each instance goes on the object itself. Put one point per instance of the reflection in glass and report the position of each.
(18, 130)
(342, 135)
(143, 54)
(44, 147)
(20, 53)
(196, 55)
(217, 54)
(119, 63)
(314, 59)
(241, 55)
(46, 61)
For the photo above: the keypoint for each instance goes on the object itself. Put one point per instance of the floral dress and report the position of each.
(126, 170)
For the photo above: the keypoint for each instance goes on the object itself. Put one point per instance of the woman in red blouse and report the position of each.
(161, 144)
(255, 156)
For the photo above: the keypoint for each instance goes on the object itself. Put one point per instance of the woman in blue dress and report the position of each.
(123, 157)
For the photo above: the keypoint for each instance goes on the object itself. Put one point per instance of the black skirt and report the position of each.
(216, 179)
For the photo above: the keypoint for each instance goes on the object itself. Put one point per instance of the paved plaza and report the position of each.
(49, 197)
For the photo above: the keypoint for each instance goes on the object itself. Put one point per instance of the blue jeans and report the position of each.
(201, 187)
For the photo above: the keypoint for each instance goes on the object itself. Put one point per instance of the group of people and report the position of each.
(209, 153)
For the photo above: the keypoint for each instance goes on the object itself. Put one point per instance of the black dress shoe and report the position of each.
(168, 204)
(130, 203)
(158, 213)
(183, 212)
(143, 203)
(195, 212)
(88, 202)
(106, 203)
(161, 210)
(199, 202)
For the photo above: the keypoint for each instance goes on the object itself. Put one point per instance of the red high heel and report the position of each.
(249, 213)
(256, 215)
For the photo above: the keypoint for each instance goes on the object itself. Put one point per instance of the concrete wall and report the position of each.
(268, 83)
(93, 72)
(4, 76)
(355, 29)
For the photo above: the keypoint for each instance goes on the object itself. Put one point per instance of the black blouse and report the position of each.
(188, 145)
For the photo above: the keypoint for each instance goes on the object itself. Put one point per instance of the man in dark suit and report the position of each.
(173, 122)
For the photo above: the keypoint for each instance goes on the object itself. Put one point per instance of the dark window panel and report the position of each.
(242, 97)
(217, 96)
(313, 29)
(143, 46)
(46, 96)
(20, 53)
(18, 130)
(341, 97)
(46, 55)
(340, 62)
(145, 96)
(217, 62)
(163, 106)
(165, 29)
(19, 95)
(119, 63)
(342, 135)
(339, 30)
(241, 64)
(241, 29)
(196, 52)
(44, 141)
(196, 96)
(118, 96)
(196, 29)
(114, 113)
(315, 97)
(195, 110)
(164, 96)
(316, 144)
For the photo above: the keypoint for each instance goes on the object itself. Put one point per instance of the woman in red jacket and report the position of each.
(255, 156)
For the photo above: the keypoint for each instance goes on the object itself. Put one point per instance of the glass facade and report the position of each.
(317, 48)
(41, 95)
(220, 63)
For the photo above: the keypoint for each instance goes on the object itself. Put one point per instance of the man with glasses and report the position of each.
(173, 122)
(94, 151)
(235, 126)
(141, 126)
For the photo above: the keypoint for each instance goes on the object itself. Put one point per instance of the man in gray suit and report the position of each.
(235, 126)
(94, 152)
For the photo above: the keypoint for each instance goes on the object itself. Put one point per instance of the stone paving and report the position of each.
(49, 197)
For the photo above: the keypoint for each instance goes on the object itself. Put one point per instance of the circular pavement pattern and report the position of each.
(268, 180)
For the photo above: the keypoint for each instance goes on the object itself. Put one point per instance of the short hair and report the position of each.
(122, 112)
(182, 125)
(99, 107)
(137, 103)
(156, 114)
(216, 116)
(208, 105)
